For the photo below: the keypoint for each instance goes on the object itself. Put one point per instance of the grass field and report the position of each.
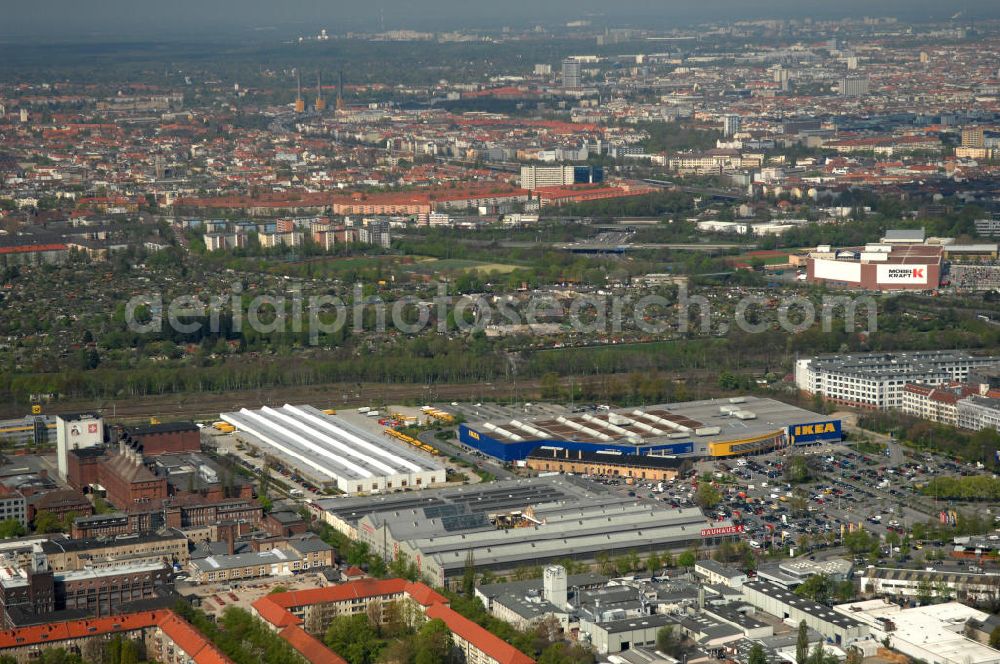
(426, 265)
(767, 257)
(431, 265)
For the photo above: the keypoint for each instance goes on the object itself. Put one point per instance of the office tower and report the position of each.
(972, 137)
(854, 86)
(533, 177)
(730, 125)
(571, 73)
(852, 62)
(340, 90)
(543, 70)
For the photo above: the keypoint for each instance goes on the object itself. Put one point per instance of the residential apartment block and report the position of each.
(876, 381)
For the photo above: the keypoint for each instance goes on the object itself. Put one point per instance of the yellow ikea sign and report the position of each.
(814, 429)
(473, 434)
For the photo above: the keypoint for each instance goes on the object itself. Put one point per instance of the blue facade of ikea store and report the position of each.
(815, 432)
(508, 450)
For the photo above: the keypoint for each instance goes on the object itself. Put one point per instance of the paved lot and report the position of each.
(215, 597)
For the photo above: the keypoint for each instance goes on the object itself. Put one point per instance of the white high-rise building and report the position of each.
(571, 73)
(877, 380)
(854, 86)
(731, 124)
(534, 177)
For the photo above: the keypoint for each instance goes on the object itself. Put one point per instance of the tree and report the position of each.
(687, 559)
(995, 637)
(844, 591)
(604, 562)
(47, 522)
(564, 653)
(820, 656)
(353, 638)
(404, 568)
(802, 644)
(925, 591)
(11, 528)
(129, 652)
(469, 576)
(707, 496)
(797, 470)
(432, 643)
(858, 542)
(757, 655)
(667, 641)
(654, 562)
(816, 587)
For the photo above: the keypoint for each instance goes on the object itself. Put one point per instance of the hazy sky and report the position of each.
(169, 17)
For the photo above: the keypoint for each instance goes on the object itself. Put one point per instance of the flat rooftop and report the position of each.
(712, 419)
(501, 496)
(328, 446)
(807, 606)
(898, 364)
(240, 560)
(936, 630)
(580, 535)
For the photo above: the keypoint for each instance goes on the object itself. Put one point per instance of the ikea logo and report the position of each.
(474, 435)
(815, 429)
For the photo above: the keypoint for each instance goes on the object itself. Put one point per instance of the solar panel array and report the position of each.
(464, 522)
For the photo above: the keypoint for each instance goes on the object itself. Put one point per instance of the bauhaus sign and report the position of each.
(725, 530)
(902, 274)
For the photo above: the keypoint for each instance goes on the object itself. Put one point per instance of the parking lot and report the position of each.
(846, 490)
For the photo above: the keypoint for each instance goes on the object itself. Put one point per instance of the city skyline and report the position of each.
(64, 18)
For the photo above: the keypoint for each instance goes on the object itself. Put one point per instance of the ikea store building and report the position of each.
(714, 428)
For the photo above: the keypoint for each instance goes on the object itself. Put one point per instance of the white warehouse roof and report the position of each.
(327, 447)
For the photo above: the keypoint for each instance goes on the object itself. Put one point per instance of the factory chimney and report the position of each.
(320, 102)
(300, 103)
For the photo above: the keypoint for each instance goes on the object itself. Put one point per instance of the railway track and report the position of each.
(208, 405)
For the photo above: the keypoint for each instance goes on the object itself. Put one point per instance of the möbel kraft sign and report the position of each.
(902, 274)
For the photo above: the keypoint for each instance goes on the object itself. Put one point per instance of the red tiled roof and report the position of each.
(309, 646)
(33, 248)
(182, 633)
(424, 594)
(274, 613)
(274, 609)
(481, 638)
(191, 641)
(340, 593)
